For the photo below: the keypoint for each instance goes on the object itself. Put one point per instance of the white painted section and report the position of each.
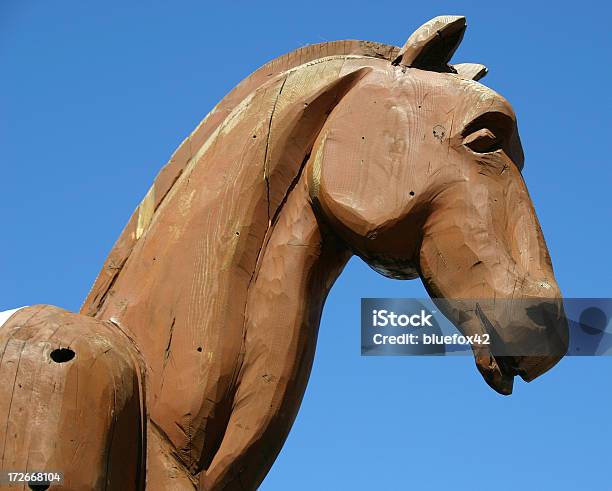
(4, 316)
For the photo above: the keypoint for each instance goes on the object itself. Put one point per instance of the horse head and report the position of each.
(418, 170)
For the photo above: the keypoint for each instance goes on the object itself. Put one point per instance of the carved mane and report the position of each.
(193, 144)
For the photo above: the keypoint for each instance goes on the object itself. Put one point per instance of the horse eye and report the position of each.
(482, 141)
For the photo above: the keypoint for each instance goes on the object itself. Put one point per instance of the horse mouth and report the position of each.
(499, 371)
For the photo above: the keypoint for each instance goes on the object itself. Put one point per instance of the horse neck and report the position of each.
(298, 266)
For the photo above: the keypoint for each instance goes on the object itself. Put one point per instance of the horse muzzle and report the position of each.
(528, 339)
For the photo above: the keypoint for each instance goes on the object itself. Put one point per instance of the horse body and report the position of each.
(218, 281)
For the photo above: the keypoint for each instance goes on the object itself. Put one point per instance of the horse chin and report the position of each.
(496, 373)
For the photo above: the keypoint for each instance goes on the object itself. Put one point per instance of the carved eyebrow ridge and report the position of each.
(500, 123)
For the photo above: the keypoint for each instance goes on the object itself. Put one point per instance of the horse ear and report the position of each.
(471, 71)
(431, 46)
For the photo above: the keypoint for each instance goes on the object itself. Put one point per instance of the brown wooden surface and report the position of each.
(84, 417)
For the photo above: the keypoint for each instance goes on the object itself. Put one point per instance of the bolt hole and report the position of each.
(254, 136)
(237, 233)
(363, 137)
(38, 487)
(62, 355)
(199, 349)
(411, 193)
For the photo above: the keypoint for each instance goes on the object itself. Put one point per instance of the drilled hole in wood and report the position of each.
(411, 193)
(200, 349)
(62, 355)
(38, 487)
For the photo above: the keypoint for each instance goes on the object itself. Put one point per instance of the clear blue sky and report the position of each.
(94, 98)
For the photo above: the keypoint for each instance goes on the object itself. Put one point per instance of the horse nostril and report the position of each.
(62, 355)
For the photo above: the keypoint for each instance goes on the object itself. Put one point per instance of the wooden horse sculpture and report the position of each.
(187, 364)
